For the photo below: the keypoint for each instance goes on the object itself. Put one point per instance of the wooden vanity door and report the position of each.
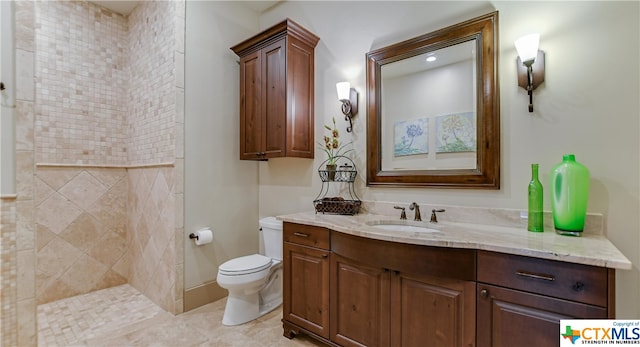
(432, 311)
(509, 317)
(306, 288)
(359, 303)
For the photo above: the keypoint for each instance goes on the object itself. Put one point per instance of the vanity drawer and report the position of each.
(306, 235)
(576, 282)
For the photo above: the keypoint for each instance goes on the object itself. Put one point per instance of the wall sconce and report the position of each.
(530, 75)
(349, 98)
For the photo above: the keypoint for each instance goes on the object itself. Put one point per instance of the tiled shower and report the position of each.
(99, 156)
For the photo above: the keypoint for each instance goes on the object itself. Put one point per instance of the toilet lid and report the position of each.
(247, 264)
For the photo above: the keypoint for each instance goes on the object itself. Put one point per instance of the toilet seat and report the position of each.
(245, 265)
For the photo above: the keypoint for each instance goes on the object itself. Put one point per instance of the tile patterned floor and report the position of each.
(121, 316)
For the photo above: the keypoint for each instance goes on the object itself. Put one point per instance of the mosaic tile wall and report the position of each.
(152, 96)
(17, 230)
(155, 198)
(81, 84)
(8, 273)
(83, 172)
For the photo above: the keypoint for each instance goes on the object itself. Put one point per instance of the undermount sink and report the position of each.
(402, 225)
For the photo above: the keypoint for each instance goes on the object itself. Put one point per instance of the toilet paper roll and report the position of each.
(204, 236)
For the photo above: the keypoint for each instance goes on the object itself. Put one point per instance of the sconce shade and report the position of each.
(343, 90)
(530, 75)
(527, 47)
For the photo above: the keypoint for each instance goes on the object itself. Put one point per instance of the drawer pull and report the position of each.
(536, 276)
(484, 293)
(301, 234)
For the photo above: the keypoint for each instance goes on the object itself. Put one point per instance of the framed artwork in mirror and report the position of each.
(444, 85)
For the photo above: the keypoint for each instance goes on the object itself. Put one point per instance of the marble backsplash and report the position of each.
(477, 215)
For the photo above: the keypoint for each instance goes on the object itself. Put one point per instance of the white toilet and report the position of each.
(254, 281)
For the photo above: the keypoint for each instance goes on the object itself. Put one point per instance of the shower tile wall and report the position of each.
(152, 236)
(81, 231)
(155, 206)
(105, 114)
(81, 84)
(80, 149)
(17, 225)
(63, 160)
(8, 272)
(152, 77)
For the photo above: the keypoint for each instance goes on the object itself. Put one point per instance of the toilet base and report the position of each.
(245, 308)
(242, 308)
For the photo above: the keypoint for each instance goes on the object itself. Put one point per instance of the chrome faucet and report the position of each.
(417, 216)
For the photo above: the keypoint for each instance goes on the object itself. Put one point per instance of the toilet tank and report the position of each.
(271, 237)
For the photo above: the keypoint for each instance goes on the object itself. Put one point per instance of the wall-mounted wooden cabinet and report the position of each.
(277, 93)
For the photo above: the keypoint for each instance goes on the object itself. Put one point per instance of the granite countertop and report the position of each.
(589, 249)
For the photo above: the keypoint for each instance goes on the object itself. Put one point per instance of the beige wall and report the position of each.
(221, 191)
(588, 105)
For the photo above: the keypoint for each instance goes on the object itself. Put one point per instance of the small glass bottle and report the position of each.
(535, 215)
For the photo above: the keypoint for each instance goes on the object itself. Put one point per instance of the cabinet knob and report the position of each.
(325, 256)
(578, 286)
(484, 293)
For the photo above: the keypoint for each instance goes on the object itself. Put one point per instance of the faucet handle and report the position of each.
(434, 218)
(403, 214)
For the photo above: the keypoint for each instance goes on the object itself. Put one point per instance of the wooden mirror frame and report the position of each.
(486, 175)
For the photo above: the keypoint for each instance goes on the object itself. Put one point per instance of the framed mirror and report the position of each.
(433, 109)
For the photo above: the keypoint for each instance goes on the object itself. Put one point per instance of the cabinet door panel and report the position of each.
(300, 136)
(250, 105)
(431, 311)
(274, 98)
(508, 318)
(360, 304)
(306, 291)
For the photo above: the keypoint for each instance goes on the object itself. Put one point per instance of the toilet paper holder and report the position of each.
(202, 236)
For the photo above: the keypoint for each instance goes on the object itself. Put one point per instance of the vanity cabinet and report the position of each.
(520, 297)
(277, 93)
(307, 258)
(348, 290)
(388, 294)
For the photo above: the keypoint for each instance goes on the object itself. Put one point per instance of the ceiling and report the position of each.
(125, 7)
(122, 7)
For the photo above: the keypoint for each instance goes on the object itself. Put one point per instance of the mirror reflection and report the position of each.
(428, 110)
(436, 123)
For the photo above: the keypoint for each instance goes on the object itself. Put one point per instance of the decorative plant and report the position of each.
(332, 145)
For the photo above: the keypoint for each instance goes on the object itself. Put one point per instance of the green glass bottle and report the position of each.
(569, 195)
(535, 215)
